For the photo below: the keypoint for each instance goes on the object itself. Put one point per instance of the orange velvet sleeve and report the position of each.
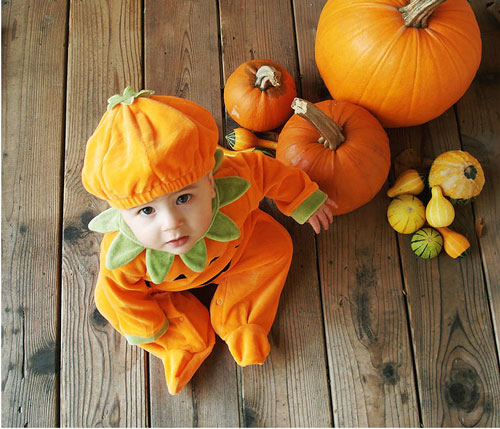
(294, 193)
(124, 300)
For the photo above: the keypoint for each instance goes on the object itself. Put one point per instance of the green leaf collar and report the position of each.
(126, 247)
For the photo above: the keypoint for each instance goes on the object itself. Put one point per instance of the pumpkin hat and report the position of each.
(146, 146)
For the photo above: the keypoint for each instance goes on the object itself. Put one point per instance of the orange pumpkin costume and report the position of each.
(146, 146)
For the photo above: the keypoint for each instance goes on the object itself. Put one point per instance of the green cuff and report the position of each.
(142, 340)
(309, 206)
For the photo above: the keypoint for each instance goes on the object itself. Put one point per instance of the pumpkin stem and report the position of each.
(416, 13)
(267, 76)
(331, 133)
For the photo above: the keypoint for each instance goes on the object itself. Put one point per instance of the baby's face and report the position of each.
(175, 221)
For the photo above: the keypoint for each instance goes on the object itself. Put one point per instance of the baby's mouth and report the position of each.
(178, 242)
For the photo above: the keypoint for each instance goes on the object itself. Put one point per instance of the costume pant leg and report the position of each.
(187, 342)
(245, 303)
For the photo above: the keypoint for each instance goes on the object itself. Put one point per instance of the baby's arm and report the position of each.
(291, 189)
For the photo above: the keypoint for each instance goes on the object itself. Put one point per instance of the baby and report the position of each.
(184, 216)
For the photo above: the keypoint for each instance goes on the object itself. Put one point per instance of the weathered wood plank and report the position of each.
(478, 113)
(33, 69)
(182, 59)
(371, 368)
(362, 293)
(291, 388)
(306, 20)
(453, 341)
(102, 377)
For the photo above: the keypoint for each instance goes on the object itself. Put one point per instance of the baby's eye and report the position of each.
(183, 199)
(146, 211)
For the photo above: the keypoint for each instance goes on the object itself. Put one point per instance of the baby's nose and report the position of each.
(171, 220)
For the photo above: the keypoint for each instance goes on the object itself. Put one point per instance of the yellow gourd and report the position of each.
(229, 152)
(241, 139)
(406, 214)
(459, 175)
(408, 182)
(455, 244)
(439, 211)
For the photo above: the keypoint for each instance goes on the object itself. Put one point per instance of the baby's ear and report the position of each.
(212, 183)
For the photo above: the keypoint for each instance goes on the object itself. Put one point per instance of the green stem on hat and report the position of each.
(128, 96)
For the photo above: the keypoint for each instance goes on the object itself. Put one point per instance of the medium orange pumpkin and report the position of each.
(341, 146)
(405, 63)
(258, 95)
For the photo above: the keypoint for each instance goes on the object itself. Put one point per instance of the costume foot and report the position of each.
(249, 345)
(180, 367)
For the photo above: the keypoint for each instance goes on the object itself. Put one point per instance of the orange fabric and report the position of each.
(143, 150)
(250, 272)
(245, 303)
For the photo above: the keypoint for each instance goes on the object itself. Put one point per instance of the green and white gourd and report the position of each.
(427, 243)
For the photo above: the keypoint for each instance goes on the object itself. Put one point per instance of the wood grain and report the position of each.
(479, 120)
(342, 353)
(102, 377)
(33, 70)
(453, 341)
(182, 59)
(306, 16)
(370, 360)
(290, 389)
(363, 304)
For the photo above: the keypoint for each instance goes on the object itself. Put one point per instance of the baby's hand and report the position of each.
(322, 217)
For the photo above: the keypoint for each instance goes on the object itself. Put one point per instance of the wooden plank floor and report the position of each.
(366, 334)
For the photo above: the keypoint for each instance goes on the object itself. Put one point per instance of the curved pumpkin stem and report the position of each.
(416, 13)
(267, 76)
(330, 131)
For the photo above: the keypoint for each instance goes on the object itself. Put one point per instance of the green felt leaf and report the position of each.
(122, 251)
(196, 258)
(128, 96)
(107, 221)
(219, 156)
(230, 188)
(125, 230)
(223, 229)
(158, 264)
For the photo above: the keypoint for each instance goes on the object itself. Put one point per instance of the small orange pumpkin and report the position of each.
(258, 95)
(341, 146)
(405, 61)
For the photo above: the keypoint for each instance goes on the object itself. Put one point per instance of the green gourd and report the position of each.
(439, 211)
(427, 243)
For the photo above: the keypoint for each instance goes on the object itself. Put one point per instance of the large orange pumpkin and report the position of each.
(341, 146)
(258, 95)
(405, 63)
